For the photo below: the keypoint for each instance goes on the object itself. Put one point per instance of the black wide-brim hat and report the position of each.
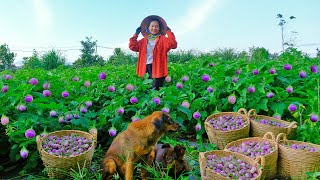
(146, 21)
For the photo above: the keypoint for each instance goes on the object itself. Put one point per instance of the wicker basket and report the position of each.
(270, 167)
(258, 129)
(59, 167)
(222, 138)
(295, 163)
(209, 174)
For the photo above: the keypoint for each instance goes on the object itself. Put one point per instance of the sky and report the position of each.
(201, 25)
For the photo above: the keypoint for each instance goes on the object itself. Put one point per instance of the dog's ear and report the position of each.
(179, 150)
(166, 145)
(158, 123)
(165, 117)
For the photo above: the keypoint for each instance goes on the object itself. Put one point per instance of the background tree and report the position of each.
(282, 24)
(32, 61)
(88, 55)
(6, 57)
(259, 53)
(52, 59)
(119, 57)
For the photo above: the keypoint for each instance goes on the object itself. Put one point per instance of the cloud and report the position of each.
(195, 16)
(42, 14)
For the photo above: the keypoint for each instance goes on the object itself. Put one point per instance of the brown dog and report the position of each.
(135, 144)
(165, 156)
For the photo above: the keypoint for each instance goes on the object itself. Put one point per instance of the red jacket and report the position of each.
(161, 48)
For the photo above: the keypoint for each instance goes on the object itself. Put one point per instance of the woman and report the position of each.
(153, 49)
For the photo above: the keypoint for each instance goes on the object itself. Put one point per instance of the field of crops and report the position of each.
(36, 101)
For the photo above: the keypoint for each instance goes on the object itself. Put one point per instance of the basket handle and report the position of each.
(202, 163)
(94, 133)
(243, 111)
(283, 135)
(291, 126)
(260, 160)
(270, 135)
(38, 140)
(254, 113)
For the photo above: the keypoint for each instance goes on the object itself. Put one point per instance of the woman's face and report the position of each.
(154, 27)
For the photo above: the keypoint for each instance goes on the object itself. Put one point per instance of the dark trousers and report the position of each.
(157, 82)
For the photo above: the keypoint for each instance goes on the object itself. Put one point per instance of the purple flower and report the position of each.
(211, 64)
(111, 88)
(8, 76)
(156, 100)
(313, 118)
(75, 79)
(168, 79)
(185, 104)
(255, 72)
(270, 95)
(313, 69)
(179, 85)
(185, 78)
(289, 89)
(46, 86)
(33, 81)
(69, 117)
(83, 109)
(87, 83)
(61, 119)
(196, 115)
(232, 99)
(4, 120)
(210, 89)
(112, 132)
(287, 67)
(21, 108)
(88, 103)
(302, 74)
(46, 93)
(76, 116)
(120, 110)
(198, 127)
(4, 88)
(235, 79)
(238, 72)
(129, 87)
(24, 153)
(65, 94)
(133, 100)
(102, 75)
(277, 116)
(205, 78)
(165, 110)
(272, 70)
(28, 98)
(53, 113)
(292, 107)
(251, 89)
(134, 118)
(30, 133)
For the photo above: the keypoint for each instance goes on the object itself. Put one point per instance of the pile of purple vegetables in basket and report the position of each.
(231, 167)
(305, 147)
(269, 122)
(228, 122)
(66, 146)
(253, 148)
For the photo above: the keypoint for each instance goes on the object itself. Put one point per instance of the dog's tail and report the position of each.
(109, 168)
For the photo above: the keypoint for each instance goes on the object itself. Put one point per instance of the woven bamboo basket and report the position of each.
(258, 129)
(270, 167)
(59, 167)
(296, 163)
(222, 138)
(209, 174)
